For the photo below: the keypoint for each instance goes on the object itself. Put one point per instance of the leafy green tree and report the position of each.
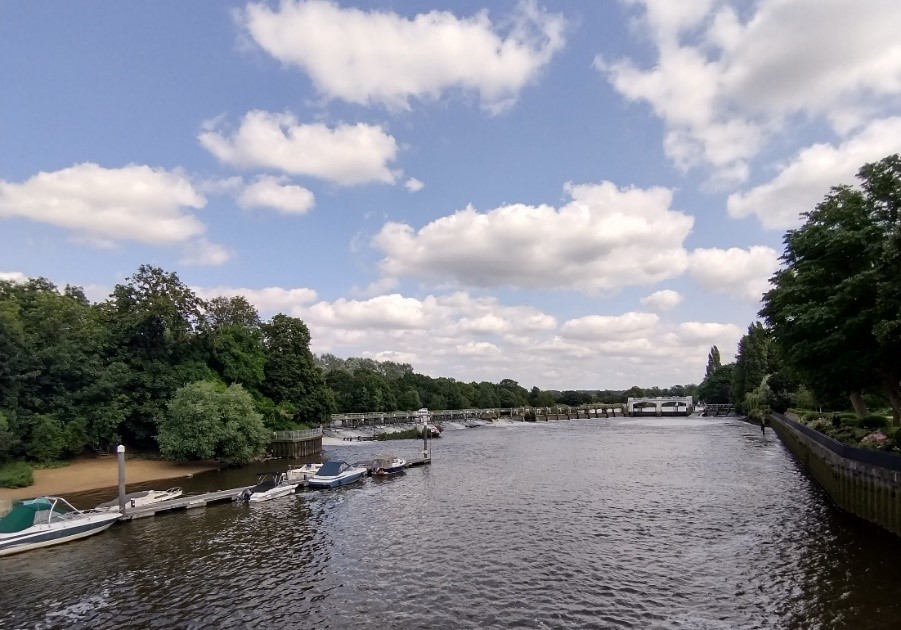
(717, 389)
(291, 372)
(206, 420)
(834, 308)
(409, 400)
(751, 363)
(713, 361)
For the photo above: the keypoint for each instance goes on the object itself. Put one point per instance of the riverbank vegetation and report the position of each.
(831, 331)
(158, 368)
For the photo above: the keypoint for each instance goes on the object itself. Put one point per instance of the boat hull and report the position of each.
(45, 537)
(336, 482)
(280, 491)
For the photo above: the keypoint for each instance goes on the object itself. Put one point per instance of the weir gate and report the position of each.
(660, 406)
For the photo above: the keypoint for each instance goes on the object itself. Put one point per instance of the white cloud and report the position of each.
(665, 300)
(413, 185)
(814, 170)
(604, 238)
(727, 78)
(274, 193)
(202, 253)
(107, 205)
(13, 276)
(380, 57)
(268, 301)
(347, 154)
(606, 327)
(741, 273)
(461, 336)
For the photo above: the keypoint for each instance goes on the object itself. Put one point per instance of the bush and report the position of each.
(48, 438)
(16, 475)
(810, 416)
(873, 421)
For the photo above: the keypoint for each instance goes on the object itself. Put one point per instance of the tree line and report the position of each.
(831, 330)
(156, 367)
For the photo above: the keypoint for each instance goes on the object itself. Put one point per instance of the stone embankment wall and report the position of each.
(865, 483)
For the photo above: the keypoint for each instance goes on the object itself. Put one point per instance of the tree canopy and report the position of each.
(834, 309)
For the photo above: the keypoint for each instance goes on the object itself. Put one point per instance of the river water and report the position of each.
(688, 523)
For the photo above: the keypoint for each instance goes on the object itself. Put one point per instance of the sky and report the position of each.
(580, 195)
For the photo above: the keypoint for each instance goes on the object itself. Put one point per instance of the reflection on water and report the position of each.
(645, 523)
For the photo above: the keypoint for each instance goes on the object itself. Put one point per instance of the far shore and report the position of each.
(84, 475)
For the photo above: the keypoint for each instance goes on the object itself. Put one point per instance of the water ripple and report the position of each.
(650, 523)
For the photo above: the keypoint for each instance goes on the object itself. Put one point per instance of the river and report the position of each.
(689, 523)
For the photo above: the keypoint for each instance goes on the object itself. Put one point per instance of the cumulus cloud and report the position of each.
(665, 300)
(105, 206)
(741, 273)
(812, 172)
(13, 276)
(203, 253)
(345, 154)
(413, 185)
(273, 193)
(604, 238)
(268, 301)
(459, 335)
(380, 57)
(601, 327)
(727, 78)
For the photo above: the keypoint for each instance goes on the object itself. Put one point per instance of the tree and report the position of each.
(713, 362)
(205, 420)
(291, 372)
(835, 308)
(751, 363)
(718, 388)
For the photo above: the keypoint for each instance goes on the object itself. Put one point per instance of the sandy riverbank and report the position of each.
(95, 474)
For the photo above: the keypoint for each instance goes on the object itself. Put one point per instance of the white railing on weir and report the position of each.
(302, 434)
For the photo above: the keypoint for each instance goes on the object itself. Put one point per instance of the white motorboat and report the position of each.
(388, 466)
(269, 486)
(337, 473)
(140, 499)
(303, 473)
(46, 521)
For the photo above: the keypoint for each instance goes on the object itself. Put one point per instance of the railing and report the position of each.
(293, 436)
(862, 455)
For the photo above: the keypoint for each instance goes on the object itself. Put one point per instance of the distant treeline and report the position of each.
(78, 377)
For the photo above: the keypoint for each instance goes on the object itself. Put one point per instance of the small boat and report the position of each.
(46, 521)
(388, 466)
(140, 499)
(303, 473)
(336, 473)
(269, 486)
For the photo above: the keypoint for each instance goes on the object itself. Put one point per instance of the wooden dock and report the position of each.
(181, 503)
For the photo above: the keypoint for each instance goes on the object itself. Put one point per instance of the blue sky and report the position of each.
(578, 195)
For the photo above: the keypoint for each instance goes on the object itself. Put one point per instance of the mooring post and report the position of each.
(120, 453)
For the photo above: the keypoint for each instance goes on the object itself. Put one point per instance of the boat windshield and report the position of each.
(330, 469)
(26, 514)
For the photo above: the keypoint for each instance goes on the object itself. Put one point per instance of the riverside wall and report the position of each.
(863, 482)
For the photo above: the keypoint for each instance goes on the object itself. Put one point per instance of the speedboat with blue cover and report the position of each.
(46, 521)
(336, 473)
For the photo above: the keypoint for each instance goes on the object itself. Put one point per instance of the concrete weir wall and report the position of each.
(865, 483)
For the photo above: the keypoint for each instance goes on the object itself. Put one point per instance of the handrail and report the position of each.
(300, 434)
(862, 455)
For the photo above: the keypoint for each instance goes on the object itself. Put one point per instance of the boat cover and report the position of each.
(330, 469)
(27, 513)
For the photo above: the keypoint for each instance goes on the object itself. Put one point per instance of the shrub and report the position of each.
(810, 416)
(16, 475)
(873, 421)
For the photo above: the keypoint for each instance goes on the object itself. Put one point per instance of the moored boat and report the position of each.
(47, 521)
(269, 486)
(388, 466)
(303, 473)
(140, 499)
(336, 473)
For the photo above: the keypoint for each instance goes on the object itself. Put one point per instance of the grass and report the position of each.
(16, 475)
(409, 434)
